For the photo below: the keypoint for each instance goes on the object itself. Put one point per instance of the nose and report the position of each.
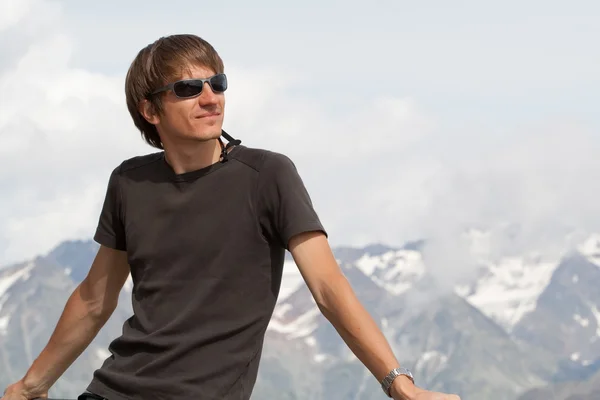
(207, 96)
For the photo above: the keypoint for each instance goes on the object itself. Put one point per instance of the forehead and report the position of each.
(193, 71)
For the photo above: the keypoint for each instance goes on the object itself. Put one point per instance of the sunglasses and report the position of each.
(189, 88)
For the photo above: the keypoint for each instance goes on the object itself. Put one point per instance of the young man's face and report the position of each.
(197, 118)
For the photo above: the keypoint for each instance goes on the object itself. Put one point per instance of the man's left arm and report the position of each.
(339, 304)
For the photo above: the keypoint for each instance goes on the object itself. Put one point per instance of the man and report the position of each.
(203, 228)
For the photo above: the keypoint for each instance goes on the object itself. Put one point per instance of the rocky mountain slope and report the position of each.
(519, 325)
(588, 389)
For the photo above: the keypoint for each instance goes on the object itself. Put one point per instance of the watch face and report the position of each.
(405, 372)
(388, 380)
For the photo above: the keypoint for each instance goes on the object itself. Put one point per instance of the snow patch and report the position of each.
(4, 325)
(3, 300)
(590, 249)
(128, 286)
(281, 310)
(302, 326)
(26, 275)
(8, 280)
(510, 289)
(582, 321)
(431, 362)
(395, 271)
(596, 313)
(290, 281)
(462, 290)
(102, 353)
(430, 355)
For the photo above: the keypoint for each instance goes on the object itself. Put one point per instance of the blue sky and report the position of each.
(524, 58)
(442, 114)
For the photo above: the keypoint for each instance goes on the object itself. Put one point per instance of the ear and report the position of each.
(148, 111)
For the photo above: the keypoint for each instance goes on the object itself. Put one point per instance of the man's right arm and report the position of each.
(89, 307)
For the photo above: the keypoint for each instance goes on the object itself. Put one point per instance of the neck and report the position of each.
(187, 157)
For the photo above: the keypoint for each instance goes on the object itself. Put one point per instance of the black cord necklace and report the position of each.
(231, 142)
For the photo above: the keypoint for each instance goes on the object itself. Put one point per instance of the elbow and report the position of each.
(102, 312)
(97, 308)
(331, 295)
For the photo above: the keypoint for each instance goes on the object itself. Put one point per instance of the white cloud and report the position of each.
(11, 11)
(379, 167)
(385, 170)
(63, 130)
(29, 16)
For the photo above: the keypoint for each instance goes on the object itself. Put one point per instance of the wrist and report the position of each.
(32, 386)
(18, 389)
(401, 381)
(403, 388)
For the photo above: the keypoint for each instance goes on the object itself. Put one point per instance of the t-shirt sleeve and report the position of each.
(110, 231)
(286, 208)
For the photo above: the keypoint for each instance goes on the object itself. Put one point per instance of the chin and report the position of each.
(213, 133)
(207, 134)
(208, 131)
(203, 131)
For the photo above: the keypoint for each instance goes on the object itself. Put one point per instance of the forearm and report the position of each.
(341, 307)
(76, 328)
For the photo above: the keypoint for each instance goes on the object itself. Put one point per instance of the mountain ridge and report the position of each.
(450, 339)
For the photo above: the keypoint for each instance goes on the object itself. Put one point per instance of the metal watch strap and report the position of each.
(386, 383)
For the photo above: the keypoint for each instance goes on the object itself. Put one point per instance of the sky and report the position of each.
(406, 120)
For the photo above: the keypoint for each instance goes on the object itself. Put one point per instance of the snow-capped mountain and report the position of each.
(512, 292)
(566, 319)
(505, 291)
(508, 290)
(32, 297)
(520, 322)
(590, 249)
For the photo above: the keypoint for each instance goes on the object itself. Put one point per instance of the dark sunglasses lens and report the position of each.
(219, 83)
(187, 89)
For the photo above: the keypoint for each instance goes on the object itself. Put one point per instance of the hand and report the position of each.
(18, 391)
(404, 389)
(427, 395)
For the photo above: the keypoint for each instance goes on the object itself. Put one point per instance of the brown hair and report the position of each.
(156, 65)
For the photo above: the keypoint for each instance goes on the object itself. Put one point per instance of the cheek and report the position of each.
(180, 115)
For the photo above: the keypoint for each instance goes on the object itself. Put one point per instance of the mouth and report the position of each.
(208, 115)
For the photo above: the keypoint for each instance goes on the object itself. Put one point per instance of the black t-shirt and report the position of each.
(206, 250)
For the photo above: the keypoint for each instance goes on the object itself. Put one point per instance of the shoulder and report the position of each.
(137, 162)
(263, 160)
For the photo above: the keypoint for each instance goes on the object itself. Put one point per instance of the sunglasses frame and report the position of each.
(171, 86)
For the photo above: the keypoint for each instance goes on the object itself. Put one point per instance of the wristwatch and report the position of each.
(386, 383)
